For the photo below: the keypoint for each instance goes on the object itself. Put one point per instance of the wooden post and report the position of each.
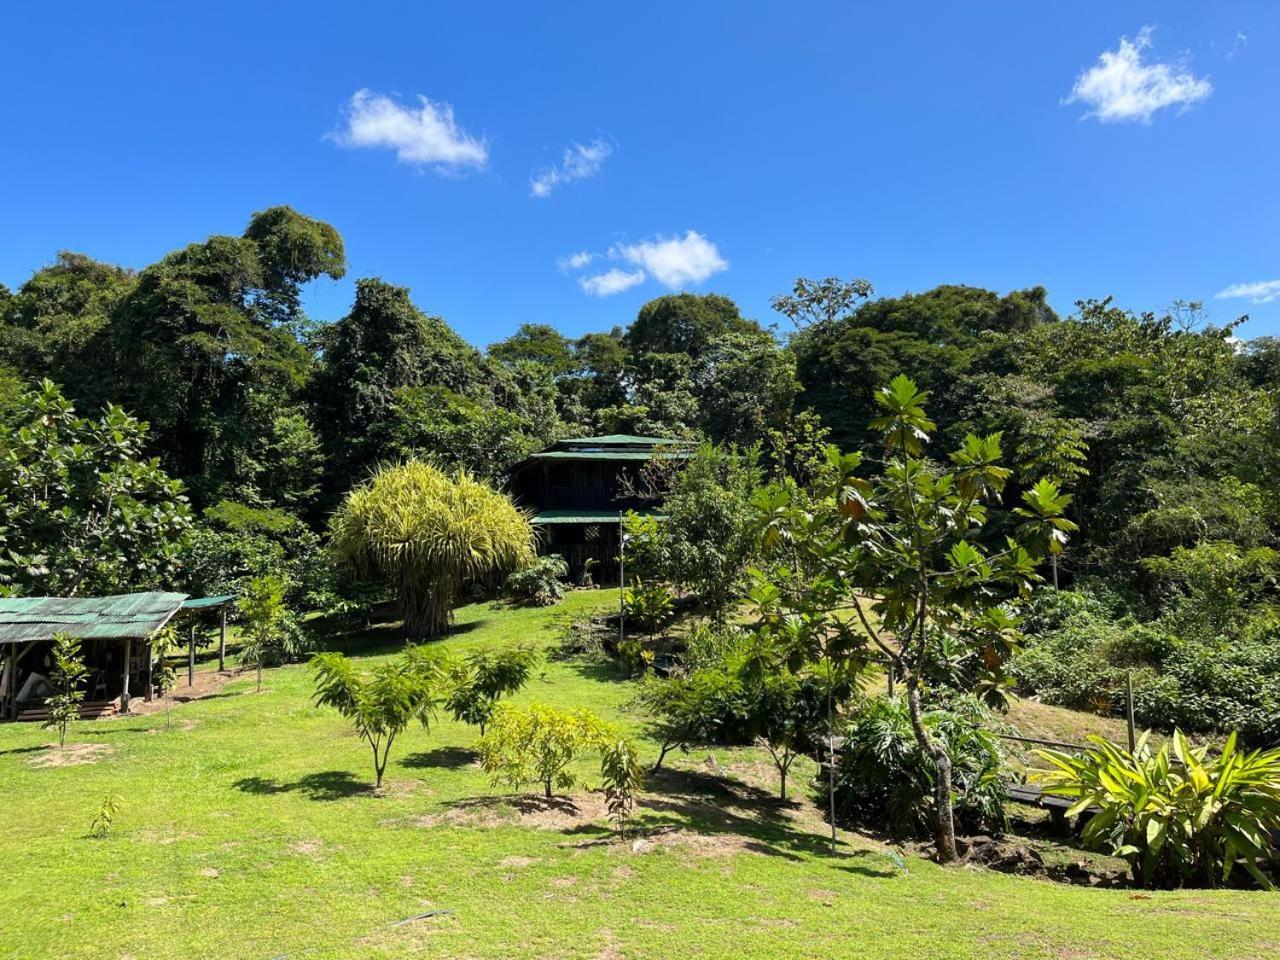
(1128, 691)
(191, 658)
(151, 655)
(124, 682)
(222, 641)
(11, 685)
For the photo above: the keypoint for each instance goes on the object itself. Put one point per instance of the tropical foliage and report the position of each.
(886, 781)
(541, 583)
(1180, 815)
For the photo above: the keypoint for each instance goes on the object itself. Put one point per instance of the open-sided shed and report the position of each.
(109, 625)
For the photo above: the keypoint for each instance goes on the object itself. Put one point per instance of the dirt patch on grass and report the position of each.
(558, 813)
(72, 755)
(517, 861)
(307, 848)
(208, 683)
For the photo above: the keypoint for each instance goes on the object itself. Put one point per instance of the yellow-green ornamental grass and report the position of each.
(426, 531)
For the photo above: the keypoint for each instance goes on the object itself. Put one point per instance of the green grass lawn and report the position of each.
(247, 830)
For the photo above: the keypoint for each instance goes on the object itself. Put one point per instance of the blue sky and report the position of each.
(712, 147)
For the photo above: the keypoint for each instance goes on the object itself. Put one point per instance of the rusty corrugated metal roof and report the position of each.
(136, 615)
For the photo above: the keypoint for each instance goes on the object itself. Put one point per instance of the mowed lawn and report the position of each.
(247, 830)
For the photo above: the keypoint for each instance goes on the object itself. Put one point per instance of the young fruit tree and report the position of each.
(482, 679)
(427, 532)
(269, 628)
(912, 554)
(380, 704)
(66, 676)
(536, 744)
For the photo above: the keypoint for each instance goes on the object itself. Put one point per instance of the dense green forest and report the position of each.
(189, 423)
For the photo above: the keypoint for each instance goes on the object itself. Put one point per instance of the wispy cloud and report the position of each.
(1241, 41)
(423, 135)
(580, 162)
(610, 282)
(575, 261)
(1263, 291)
(674, 261)
(1124, 86)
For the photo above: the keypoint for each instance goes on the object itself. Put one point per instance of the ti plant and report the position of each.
(100, 825)
(1177, 815)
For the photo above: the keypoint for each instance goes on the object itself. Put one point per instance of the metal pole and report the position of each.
(622, 581)
(191, 658)
(222, 641)
(1128, 685)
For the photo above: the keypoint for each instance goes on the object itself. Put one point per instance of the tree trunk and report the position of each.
(944, 818)
(259, 676)
(426, 611)
(547, 785)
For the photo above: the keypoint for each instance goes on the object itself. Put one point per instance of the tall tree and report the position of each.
(385, 344)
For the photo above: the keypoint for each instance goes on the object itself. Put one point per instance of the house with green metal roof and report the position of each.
(579, 489)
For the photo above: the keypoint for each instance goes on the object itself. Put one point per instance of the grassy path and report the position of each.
(247, 831)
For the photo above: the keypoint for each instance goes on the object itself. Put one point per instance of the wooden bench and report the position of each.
(1057, 806)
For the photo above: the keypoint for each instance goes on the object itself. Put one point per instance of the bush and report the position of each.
(648, 607)
(707, 706)
(541, 583)
(1178, 816)
(1082, 653)
(884, 780)
(536, 744)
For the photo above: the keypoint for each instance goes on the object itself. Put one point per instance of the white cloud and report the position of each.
(579, 163)
(423, 135)
(674, 261)
(1239, 44)
(611, 282)
(575, 261)
(1264, 291)
(1121, 86)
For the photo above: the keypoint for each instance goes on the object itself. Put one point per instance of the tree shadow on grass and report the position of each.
(448, 758)
(326, 785)
(35, 749)
(381, 639)
(711, 805)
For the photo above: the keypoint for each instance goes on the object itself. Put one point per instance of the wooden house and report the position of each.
(579, 490)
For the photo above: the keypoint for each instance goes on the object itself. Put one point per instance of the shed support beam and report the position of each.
(191, 658)
(11, 684)
(124, 685)
(151, 656)
(222, 641)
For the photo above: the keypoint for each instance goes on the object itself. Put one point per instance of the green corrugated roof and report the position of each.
(200, 603)
(605, 455)
(136, 615)
(589, 516)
